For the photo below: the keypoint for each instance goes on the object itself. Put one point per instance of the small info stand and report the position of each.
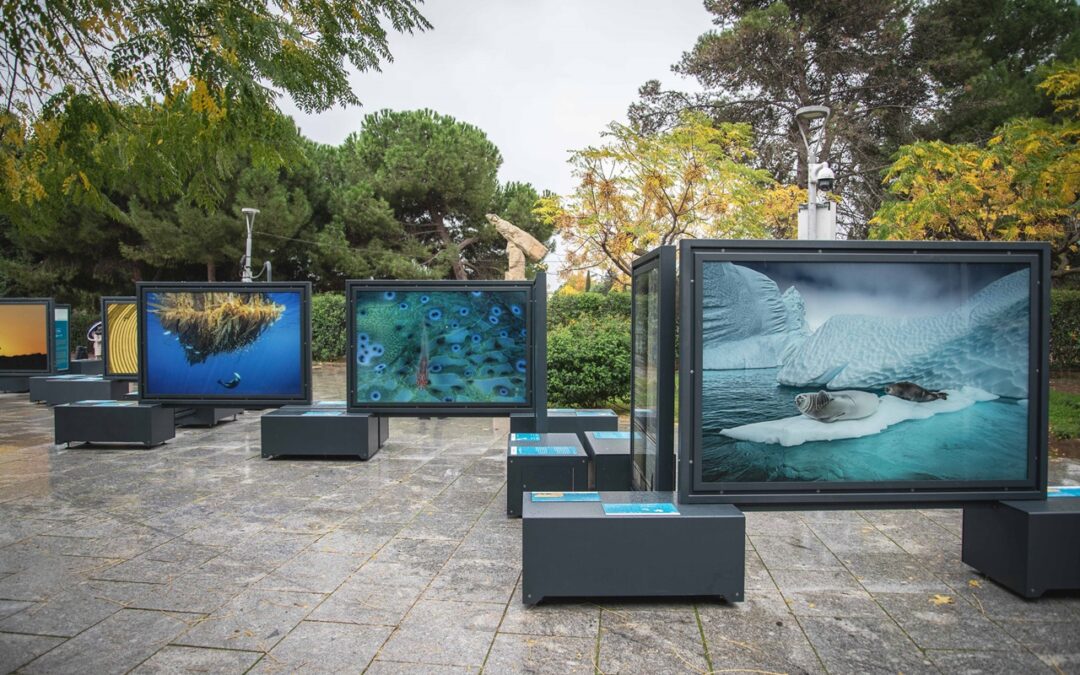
(56, 390)
(323, 429)
(113, 422)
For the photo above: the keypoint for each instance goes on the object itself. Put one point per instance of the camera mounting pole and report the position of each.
(805, 117)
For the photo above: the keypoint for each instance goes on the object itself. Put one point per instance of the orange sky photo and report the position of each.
(23, 330)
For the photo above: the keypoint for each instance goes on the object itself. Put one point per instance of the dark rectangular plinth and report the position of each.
(526, 472)
(14, 384)
(568, 421)
(575, 549)
(87, 367)
(1029, 547)
(610, 454)
(204, 416)
(60, 389)
(304, 431)
(113, 422)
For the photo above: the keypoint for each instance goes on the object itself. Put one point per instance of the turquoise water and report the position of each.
(987, 441)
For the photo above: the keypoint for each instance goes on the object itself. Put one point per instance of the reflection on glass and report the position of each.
(644, 417)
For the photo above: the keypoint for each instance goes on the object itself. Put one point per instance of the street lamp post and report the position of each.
(816, 174)
(249, 217)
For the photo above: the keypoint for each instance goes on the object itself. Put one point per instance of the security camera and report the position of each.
(825, 178)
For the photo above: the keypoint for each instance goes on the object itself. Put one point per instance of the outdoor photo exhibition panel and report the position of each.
(120, 338)
(26, 336)
(227, 345)
(843, 373)
(420, 348)
(652, 389)
(62, 337)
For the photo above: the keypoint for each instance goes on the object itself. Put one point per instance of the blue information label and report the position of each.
(642, 509)
(524, 437)
(1063, 491)
(566, 496)
(322, 413)
(595, 413)
(611, 435)
(543, 450)
(331, 404)
(561, 411)
(62, 343)
(116, 404)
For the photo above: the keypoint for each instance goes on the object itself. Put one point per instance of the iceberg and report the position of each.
(982, 343)
(791, 431)
(747, 322)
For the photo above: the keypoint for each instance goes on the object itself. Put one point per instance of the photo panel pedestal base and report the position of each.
(204, 416)
(610, 455)
(59, 389)
(321, 431)
(111, 422)
(540, 462)
(87, 367)
(1029, 547)
(568, 421)
(622, 544)
(14, 384)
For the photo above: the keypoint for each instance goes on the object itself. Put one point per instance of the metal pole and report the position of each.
(249, 217)
(811, 190)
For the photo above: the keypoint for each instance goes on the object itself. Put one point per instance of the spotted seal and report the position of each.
(830, 406)
(909, 391)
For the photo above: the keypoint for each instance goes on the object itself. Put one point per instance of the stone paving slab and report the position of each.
(200, 556)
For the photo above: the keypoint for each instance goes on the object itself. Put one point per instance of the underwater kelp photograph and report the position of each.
(435, 347)
(224, 344)
(863, 371)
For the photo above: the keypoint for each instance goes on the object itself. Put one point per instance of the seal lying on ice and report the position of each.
(830, 406)
(909, 391)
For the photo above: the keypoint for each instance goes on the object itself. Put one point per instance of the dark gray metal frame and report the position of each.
(535, 325)
(692, 489)
(661, 259)
(49, 335)
(56, 357)
(105, 302)
(255, 402)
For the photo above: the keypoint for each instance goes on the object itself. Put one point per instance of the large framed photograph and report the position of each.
(120, 337)
(445, 347)
(241, 345)
(863, 372)
(652, 376)
(27, 339)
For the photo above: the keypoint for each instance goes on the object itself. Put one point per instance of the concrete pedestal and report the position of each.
(14, 384)
(305, 431)
(604, 549)
(87, 367)
(113, 422)
(204, 416)
(610, 455)
(543, 462)
(59, 389)
(1029, 547)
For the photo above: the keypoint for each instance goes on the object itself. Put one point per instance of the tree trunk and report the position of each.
(211, 270)
(437, 219)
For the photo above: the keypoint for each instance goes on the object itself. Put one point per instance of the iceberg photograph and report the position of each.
(441, 347)
(838, 371)
(224, 345)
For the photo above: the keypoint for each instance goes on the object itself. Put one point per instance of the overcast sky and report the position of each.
(540, 77)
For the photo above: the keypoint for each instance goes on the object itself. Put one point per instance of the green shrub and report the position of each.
(1064, 414)
(1064, 329)
(328, 327)
(566, 307)
(589, 362)
(80, 322)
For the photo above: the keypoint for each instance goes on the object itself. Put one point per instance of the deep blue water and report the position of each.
(986, 441)
(272, 366)
(441, 347)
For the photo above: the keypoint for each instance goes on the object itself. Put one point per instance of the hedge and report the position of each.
(566, 307)
(1065, 329)
(588, 362)
(328, 327)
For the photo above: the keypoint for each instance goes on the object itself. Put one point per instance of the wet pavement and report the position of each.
(200, 556)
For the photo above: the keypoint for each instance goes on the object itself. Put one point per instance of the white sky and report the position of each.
(539, 77)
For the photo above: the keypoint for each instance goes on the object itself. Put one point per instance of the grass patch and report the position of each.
(1064, 414)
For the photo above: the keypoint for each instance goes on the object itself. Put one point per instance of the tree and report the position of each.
(1021, 185)
(434, 178)
(640, 191)
(123, 50)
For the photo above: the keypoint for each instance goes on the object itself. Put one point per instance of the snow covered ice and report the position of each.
(791, 431)
(747, 322)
